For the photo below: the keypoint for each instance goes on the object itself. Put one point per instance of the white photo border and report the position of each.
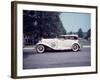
(52, 71)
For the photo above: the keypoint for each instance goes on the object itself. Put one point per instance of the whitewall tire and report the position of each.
(75, 47)
(40, 48)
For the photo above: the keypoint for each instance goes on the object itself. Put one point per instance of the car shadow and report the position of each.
(56, 51)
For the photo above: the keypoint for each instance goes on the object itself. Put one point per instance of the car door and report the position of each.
(69, 42)
(61, 43)
(65, 43)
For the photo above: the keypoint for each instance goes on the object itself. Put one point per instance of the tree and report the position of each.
(40, 24)
(88, 34)
(80, 33)
(70, 32)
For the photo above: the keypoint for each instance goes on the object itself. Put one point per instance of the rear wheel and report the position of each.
(40, 48)
(75, 47)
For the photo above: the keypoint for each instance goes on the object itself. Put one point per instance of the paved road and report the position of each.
(53, 59)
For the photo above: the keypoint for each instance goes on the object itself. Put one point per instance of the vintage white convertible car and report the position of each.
(62, 42)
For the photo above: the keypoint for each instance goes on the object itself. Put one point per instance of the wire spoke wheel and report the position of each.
(75, 47)
(40, 48)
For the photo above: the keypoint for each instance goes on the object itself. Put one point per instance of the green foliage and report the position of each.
(88, 34)
(80, 33)
(40, 24)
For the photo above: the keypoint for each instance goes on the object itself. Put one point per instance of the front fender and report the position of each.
(50, 45)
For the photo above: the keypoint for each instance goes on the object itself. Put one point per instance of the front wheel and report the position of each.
(75, 47)
(40, 48)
